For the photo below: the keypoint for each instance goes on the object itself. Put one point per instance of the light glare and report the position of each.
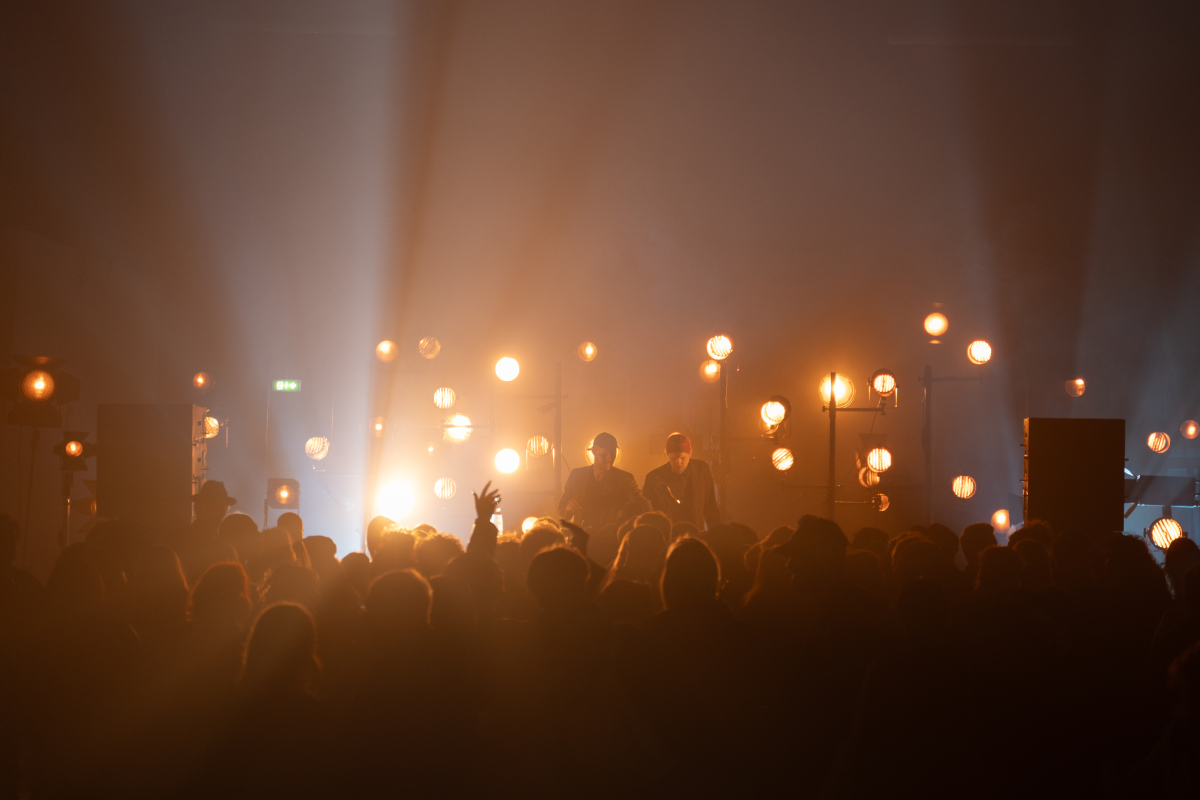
(1159, 442)
(444, 488)
(508, 460)
(1000, 520)
(884, 383)
(386, 350)
(395, 500)
(843, 391)
(879, 459)
(720, 346)
(537, 446)
(979, 352)
(429, 347)
(587, 351)
(710, 371)
(773, 412)
(1075, 387)
(936, 324)
(444, 397)
(527, 524)
(73, 448)
(507, 369)
(1189, 429)
(459, 429)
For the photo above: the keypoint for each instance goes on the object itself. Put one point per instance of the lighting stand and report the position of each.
(831, 501)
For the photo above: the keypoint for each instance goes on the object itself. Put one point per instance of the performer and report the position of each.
(601, 495)
(683, 487)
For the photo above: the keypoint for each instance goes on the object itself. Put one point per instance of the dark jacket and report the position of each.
(704, 495)
(607, 501)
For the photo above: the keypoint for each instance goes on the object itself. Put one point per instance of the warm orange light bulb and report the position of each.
(74, 448)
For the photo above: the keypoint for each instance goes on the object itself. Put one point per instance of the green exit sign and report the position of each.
(287, 386)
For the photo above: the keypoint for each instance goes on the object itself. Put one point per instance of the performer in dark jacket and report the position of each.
(601, 495)
(683, 487)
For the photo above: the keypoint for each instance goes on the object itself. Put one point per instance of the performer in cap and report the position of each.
(601, 495)
(683, 487)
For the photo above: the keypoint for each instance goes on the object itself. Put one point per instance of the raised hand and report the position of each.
(486, 502)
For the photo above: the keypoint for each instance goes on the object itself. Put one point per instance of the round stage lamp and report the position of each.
(587, 351)
(212, 426)
(782, 459)
(1159, 442)
(37, 385)
(979, 352)
(1164, 531)
(378, 426)
(1000, 520)
(429, 347)
(881, 502)
(1190, 428)
(444, 397)
(710, 371)
(879, 459)
(868, 477)
(386, 350)
(458, 428)
(316, 448)
(537, 446)
(283, 494)
(720, 346)
(507, 369)
(884, 383)
(508, 460)
(527, 524)
(201, 380)
(73, 448)
(936, 324)
(444, 488)
(843, 392)
(773, 412)
(963, 487)
(1075, 387)
(591, 459)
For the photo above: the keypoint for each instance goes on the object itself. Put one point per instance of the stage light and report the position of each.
(459, 429)
(508, 460)
(883, 382)
(1159, 442)
(782, 459)
(37, 385)
(1164, 531)
(880, 502)
(429, 347)
(591, 459)
(72, 451)
(537, 446)
(282, 494)
(1000, 520)
(963, 487)
(979, 352)
(386, 350)
(843, 392)
(710, 371)
(378, 427)
(868, 477)
(720, 346)
(394, 500)
(773, 412)
(587, 351)
(212, 426)
(879, 459)
(1075, 387)
(1189, 429)
(507, 369)
(444, 397)
(316, 448)
(936, 324)
(201, 380)
(527, 524)
(444, 488)
(73, 448)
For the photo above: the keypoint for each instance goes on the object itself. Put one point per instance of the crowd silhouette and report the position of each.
(224, 661)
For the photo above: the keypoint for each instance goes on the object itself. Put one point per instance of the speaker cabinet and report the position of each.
(1075, 473)
(150, 460)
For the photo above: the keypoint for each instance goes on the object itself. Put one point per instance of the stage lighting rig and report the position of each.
(38, 388)
(837, 393)
(1164, 531)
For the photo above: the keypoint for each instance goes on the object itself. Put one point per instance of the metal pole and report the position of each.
(927, 442)
(558, 400)
(723, 446)
(831, 499)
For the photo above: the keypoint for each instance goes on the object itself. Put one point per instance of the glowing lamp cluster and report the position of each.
(979, 352)
(212, 426)
(429, 347)
(586, 351)
(963, 487)
(457, 428)
(782, 459)
(508, 460)
(884, 383)
(444, 397)
(843, 391)
(1164, 531)
(1189, 429)
(316, 448)
(507, 369)
(538, 446)
(386, 350)
(444, 488)
(879, 459)
(720, 347)
(936, 324)
(200, 380)
(1159, 442)
(1076, 387)
(710, 371)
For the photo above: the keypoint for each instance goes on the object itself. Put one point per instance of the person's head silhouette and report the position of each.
(212, 503)
(281, 655)
(558, 578)
(692, 576)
